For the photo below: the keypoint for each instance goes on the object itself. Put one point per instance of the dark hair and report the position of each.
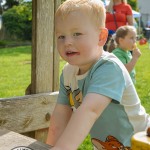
(121, 32)
(111, 44)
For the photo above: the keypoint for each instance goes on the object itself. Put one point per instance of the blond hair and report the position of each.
(109, 8)
(93, 8)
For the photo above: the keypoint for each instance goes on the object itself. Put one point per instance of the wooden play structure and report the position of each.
(30, 114)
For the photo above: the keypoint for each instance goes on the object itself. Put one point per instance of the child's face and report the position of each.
(77, 39)
(128, 42)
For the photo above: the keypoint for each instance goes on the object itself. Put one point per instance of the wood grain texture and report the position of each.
(42, 46)
(27, 113)
(56, 55)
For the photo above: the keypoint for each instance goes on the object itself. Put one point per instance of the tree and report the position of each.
(10, 3)
(133, 4)
(1, 8)
(18, 21)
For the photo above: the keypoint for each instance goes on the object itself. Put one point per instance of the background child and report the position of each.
(118, 13)
(96, 93)
(125, 38)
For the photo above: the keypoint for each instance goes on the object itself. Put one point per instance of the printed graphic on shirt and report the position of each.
(75, 97)
(111, 143)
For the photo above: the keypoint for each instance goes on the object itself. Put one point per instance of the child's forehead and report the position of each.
(74, 21)
(77, 18)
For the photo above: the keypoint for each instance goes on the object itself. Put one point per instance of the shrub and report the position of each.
(17, 21)
(133, 4)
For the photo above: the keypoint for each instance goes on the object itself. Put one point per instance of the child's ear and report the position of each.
(120, 40)
(103, 36)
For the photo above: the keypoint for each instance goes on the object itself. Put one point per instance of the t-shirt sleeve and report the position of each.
(129, 10)
(108, 80)
(62, 96)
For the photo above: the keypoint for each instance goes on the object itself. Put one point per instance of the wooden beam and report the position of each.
(27, 113)
(11, 140)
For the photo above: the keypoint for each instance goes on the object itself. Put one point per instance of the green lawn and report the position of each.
(15, 72)
(143, 77)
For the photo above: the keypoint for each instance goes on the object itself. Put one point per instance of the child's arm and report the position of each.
(136, 53)
(82, 121)
(58, 122)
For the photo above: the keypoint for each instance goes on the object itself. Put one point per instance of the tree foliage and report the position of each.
(10, 4)
(133, 4)
(17, 21)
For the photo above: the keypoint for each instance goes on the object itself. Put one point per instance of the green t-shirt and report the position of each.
(125, 57)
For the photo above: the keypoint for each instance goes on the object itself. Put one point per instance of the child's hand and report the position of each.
(136, 53)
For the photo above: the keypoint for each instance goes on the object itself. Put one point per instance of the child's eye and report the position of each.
(61, 37)
(77, 34)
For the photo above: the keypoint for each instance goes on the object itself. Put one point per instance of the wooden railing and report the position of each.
(29, 113)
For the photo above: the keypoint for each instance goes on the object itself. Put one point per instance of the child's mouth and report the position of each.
(72, 53)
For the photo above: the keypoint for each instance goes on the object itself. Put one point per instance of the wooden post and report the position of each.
(42, 46)
(45, 58)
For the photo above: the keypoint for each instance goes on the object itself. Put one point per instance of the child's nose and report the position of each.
(68, 40)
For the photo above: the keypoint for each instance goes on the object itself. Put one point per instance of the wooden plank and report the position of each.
(10, 140)
(42, 46)
(27, 113)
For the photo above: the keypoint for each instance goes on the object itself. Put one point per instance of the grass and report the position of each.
(143, 77)
(15, 72)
